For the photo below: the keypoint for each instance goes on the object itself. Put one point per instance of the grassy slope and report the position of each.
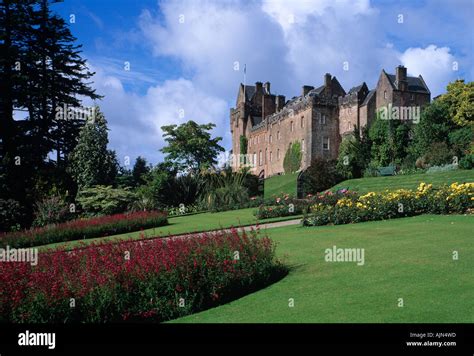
(186, 224)
(365, 185)
(408, 258)
(277, 185)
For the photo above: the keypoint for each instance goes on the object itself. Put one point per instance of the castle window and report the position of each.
(278, 135)
(325, 143)
(322, 119)
(271, 138)
(260, 158)
(302, 145)
(385, 94)
(266, 154)
(278, 154)
(292, 126)
(271, 156)
(412, 97)
(302, 121)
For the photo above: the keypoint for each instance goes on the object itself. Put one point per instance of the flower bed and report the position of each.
(456, 198)
(154, 280)
(84, 229)
(287, 205)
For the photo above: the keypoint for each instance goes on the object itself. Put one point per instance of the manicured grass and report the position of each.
(186, 224)
(278, 185)
(364, 185)
(409, 258)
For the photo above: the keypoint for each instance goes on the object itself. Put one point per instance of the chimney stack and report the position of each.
(280, 102)
(401, 78)
(327, 80)
(258, 86)
(266, 87)
(306, 89)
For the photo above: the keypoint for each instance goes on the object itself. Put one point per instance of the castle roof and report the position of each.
(416, 84)
(355, 89)
(316, 91)
(368, 97)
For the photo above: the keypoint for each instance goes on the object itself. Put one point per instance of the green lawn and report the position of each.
(186, 224)
(277, 185)
(409, 258)
(365, 185)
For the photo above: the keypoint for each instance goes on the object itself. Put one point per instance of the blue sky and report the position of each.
(183, 55)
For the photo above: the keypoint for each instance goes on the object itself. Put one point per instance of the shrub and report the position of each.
(52, 210)
(292, 160)
(225, 190)
(163, 279)
(84, 229)
(467, 162)
(105, 200)
(320, 175)
(10, 214)
(439, 154)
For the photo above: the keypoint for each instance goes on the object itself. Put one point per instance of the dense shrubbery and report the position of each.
(105, 200)
(52, 210)
(163, 279)
(467, 162)
(10, 213)
(84, 229)
(456, 198)
(321, 175)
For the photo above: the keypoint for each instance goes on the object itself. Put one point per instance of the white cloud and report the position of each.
(212, 36)
(135, 120)
(434, 63)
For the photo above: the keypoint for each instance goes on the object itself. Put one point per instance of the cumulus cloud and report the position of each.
(135, 120)
(212, 39)
(434, 63)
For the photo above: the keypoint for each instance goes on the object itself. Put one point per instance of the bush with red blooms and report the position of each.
(84, 229)
(148, 280)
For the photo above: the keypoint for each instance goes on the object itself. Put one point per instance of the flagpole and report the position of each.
(245, 72)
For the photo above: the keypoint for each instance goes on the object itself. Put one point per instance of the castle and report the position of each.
(319, 118)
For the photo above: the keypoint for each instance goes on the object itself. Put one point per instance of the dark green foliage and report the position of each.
(10, 214)
(190, 146)
(438, 154)
(321, 175)
(390, 141)
(434, 126)
(460, 140)
(292, 160)
(224, 190)
(467, 162)
(354, 154)
(243, 144)
(140, 168)
(105, 200)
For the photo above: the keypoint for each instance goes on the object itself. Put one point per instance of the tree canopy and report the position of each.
(190, 146)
